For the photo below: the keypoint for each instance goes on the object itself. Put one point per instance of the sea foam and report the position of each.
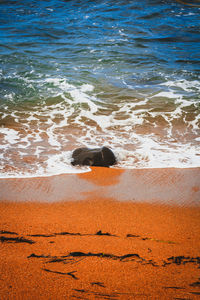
(140, 136)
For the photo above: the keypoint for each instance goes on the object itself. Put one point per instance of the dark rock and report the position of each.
(101, 157)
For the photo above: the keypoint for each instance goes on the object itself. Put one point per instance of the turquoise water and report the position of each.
(124, 74)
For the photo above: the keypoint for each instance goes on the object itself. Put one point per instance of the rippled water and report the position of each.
(124, 74)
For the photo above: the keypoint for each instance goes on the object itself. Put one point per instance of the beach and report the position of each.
(80, 74)
(89, 74)
(105, 234)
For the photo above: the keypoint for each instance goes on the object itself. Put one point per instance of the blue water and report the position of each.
(125, 74)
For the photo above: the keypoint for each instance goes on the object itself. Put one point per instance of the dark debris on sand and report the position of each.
(72, 256)
(182, 260)
(62, 273)
(4, 239)
(7, 232)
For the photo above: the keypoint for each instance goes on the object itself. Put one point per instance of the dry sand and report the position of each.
(106, 234)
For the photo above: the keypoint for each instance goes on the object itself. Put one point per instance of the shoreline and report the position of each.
(173, 186)
(79, 171)
(87, 236)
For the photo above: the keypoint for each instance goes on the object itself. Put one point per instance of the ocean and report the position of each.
(123, 74)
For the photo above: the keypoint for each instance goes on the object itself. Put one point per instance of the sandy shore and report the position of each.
(106, 234)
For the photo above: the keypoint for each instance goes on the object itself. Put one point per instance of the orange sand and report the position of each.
(143, 250)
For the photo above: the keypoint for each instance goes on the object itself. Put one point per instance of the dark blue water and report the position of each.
(120, 73)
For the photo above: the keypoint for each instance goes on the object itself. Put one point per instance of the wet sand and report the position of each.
(106, 234)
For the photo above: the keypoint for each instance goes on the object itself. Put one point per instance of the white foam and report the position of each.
(61, 164)
(87, 88)
(10, 135)
(152, 155)
(183, 84)
(10, 96)
(31, 118)
(38, 151)
(168, 94)
(46, 133)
